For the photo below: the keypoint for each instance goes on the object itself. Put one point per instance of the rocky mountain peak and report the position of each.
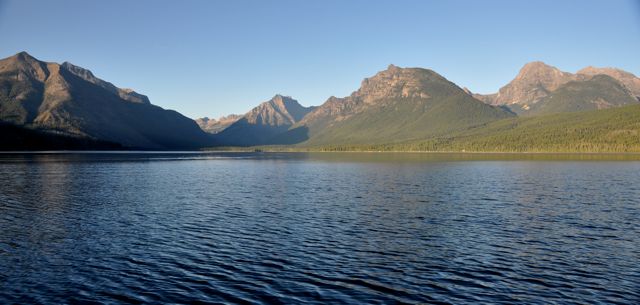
(534, 82)
(591, 70)
(392, 67)
(214, 126)
(395, 85)
(262, 123)
(538, 71)
(281, 102)
(628, 79)
(537, 88)
(206, 119)
(80, 72)
(396, 82)
(279, 110)
(25, 66)
(24, 56)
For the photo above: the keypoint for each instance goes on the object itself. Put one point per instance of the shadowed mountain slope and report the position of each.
(264, 122)
(70, 100)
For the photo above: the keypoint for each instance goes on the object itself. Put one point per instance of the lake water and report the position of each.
(270, 228)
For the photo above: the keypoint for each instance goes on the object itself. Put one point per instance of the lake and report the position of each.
(317, 228)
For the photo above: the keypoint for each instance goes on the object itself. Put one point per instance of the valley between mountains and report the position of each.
(45, 105)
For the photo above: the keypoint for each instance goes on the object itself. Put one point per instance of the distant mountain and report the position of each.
(260, 125)
(539, 88)
(397, 104)
(68, 100)
(534, 82)
(629, 80)
(595, 93)
(214, 126)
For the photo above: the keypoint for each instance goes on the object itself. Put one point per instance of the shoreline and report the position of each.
(423, 152)
(310, 151)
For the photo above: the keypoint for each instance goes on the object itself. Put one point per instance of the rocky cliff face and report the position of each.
(629, 80)
(279, 111)
(214, 126)
(396, 82)
(125, 94)
(597, 92)
(67, 99)
(261, 124)
(537, 83)
(534, 82)
(385, 87)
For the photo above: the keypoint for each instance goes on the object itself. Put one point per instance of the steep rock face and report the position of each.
(396, 82)
(279, 111)
(261, 124)
(66, 99)
(535, 90)
(533, 83)
(214, 126)
(125, 94)
(598, 92)
(629, 80)
(396, 104)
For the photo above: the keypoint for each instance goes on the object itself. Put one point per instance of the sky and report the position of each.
(212, 58)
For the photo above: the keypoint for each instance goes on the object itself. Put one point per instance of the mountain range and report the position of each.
(69, 101)
(42, 100)
(542, 89)
(262, 124)
(396, 104)
(213, 126)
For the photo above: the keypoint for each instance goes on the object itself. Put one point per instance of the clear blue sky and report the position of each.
(209, 58)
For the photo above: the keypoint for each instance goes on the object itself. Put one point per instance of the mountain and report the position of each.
(397, 104)
(260, 125)
(68, 100)
(629, 80)
(539, 88)
(534, 82)
(597, 92)
(214, 126)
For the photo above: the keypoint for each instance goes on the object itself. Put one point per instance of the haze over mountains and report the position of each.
(397, 105)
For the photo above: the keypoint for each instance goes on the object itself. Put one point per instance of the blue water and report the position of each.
(268, 228)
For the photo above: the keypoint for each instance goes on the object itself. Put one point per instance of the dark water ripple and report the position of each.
(283, 229)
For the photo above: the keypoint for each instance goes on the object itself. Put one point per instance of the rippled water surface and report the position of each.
(317, 228)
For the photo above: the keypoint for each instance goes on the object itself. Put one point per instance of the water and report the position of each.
(318, 228)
